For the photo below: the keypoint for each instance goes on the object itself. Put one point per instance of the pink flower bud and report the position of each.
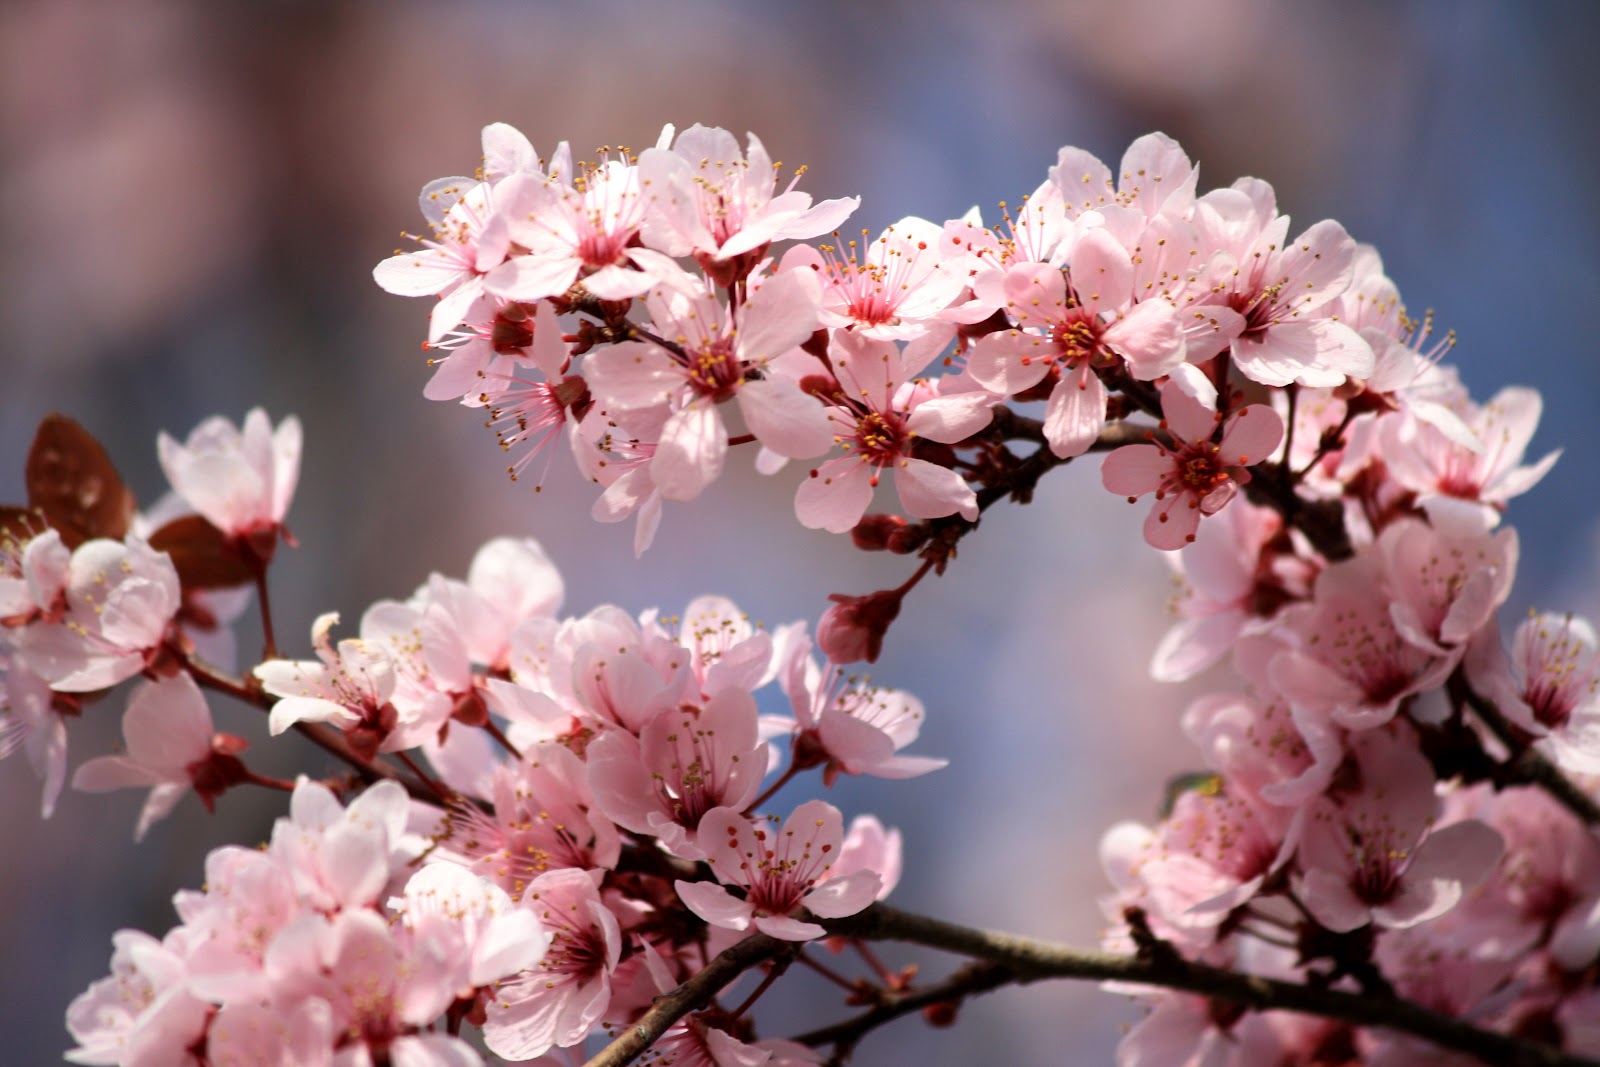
(853, 629)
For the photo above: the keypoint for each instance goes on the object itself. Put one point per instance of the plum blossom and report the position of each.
(171, 747)
(686, 762)
(556, 1002)
(1283, 289)
(121, 597)
(1548, 686)
(1195, 476)
(895, 290)
(350, 687)
(846, 723)
(241, 479)
(713, 357)
(1088, 323)
(1368, 852)
(880, 410)
(780, 870)
(142, 1013)
(713, 202)
(1488, 470)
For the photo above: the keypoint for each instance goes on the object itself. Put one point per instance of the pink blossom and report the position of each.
(240, 479)
(894, 290)
(1368, 853)
(171, 747)
(344, 856)
(350, 686)
(1194, 476)
(142, 1015)
(560, 1000)
(121, 597)
(1549, 685)
(848, 724)
(33, 717)
(33, 579)
(1432, 462)
(879, 411)
(577, 230)
(686, 762)
(544, 817)
(709, 200)
(781, 871)
(1232, 583)
(714, 357)
(1089, 323)
(1284, 289)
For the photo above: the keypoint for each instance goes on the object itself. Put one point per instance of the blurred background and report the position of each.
(195, 194)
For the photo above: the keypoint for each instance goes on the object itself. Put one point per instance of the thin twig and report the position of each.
(691, 995)
(1032, 960)
(1526, 763)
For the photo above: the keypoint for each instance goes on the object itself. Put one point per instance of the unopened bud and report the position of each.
(874, 532)
(853, 629)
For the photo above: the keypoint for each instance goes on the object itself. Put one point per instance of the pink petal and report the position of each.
(929, 491)
(533, 277)
(1075, 414)
(787, 420)
(1102, 271)
(1134, 470)
(844, 895)
(787, 929)
(949, 419)
(1150, 337)
(1253, 434)
(780, 315)
(718, 907)
(691, 451)
(836, 495)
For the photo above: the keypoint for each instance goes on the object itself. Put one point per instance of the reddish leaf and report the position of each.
(72, 481)
(205, 557)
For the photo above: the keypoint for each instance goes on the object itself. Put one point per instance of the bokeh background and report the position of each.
(192, 197)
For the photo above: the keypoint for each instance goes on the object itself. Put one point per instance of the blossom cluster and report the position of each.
(588, 835)
(554, 819)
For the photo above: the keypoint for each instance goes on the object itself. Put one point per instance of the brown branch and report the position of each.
(1031, 960)
(691, 995)
(967, 981)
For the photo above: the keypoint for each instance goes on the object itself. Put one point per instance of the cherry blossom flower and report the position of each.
(1283, 289)
(1432, 462)
(121, 597)
(1549, 685)
(241, 479)
(686, 762)
(1367, 852)
(780, 870)
(1194, 476)
(714, 358)
(894, 290)
(171, 747)
(142, 1013)
(559, 1000)
(880, 411)
(711, 201)
(350, 686)
(577, 228)
(1089, 323)
(846, 723)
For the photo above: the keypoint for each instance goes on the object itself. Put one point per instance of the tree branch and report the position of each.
(691, 995)
(1029, 960)
(966, 981)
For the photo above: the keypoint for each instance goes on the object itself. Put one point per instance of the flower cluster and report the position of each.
(553, 820)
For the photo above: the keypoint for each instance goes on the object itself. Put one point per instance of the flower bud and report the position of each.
(853, 628)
